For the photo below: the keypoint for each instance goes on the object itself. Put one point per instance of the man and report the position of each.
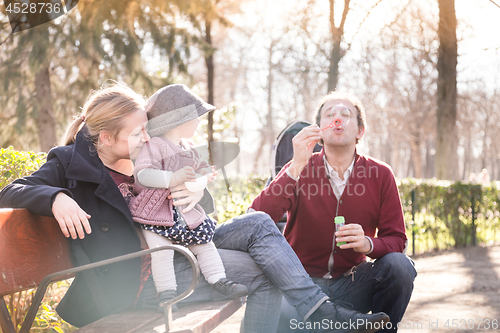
(315, 188)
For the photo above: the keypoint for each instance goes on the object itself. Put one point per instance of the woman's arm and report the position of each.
(45, 193)
(186, 197)
(37, 191)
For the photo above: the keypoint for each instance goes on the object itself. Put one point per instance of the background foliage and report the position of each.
(440, 217)
(15, 164)
(271, 59)
(443, 214)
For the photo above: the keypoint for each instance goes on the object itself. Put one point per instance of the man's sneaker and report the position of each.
(164, 297)
(226, 289)
(340, 319)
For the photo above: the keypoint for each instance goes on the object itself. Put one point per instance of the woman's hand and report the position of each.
(354, 235)
(182, 196)
(72, 220)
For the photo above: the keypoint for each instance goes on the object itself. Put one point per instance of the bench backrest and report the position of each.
(31, 247)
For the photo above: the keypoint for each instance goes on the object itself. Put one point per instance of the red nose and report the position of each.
(337, 122)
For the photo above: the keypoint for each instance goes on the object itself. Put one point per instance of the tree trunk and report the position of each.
(209, 60)
(45, 117)
(269, 130)
(446, 145)
(484, 153)
(337, 53)
(416, 156)
(335, 57)
(429, 159)
(268, 127)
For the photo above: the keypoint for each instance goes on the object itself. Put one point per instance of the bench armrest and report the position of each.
(42, 288)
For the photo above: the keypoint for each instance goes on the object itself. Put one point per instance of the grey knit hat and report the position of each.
(172, 106)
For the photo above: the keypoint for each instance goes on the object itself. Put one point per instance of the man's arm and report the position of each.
(281, 194)
(278, 197)
(303, 147)
(391, 236)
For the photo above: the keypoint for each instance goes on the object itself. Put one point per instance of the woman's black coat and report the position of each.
(77, 171)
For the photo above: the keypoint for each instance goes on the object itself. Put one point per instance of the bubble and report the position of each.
(338, 116)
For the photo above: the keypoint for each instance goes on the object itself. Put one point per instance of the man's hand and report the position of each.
(182, 196)
(354, 236)
(303, 146)
(71, 218)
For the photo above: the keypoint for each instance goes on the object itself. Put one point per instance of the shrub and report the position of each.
(15, 164)
(233, 197)
(450, 214)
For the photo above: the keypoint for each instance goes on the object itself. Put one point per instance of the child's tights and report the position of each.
(162, 262)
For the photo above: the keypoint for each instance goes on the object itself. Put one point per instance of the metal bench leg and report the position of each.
(6, 323)
(167, 310)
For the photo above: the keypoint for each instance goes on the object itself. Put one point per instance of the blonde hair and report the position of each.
(104, 110)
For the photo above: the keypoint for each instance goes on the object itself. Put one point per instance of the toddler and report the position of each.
(166, 161)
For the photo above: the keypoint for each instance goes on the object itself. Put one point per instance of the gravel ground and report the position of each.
(455, 291)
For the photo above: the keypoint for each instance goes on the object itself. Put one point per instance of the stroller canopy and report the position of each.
(282, 149)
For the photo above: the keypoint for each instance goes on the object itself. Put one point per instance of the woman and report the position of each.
(86, 183)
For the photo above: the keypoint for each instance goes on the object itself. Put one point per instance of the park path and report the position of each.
(452, 287)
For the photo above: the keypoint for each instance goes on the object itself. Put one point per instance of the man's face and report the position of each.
(340, 118)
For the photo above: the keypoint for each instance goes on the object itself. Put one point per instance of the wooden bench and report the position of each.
(35, 253)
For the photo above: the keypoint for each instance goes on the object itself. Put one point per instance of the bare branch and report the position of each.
(495, 3)
(362, 22)
(344, 15)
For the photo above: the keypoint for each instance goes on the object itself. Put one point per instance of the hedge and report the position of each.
(438, 214)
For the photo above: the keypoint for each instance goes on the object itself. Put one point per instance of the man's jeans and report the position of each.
(383, 285)
(256, 254)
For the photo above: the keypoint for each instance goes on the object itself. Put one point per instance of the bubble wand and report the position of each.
(336, 123)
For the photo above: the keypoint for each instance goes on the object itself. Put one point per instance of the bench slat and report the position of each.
(25, 258)
(126, 322)
(195, 318)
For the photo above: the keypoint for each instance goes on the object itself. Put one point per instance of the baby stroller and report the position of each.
(282, 152)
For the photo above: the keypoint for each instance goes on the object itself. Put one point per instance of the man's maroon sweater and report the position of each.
(370, 198)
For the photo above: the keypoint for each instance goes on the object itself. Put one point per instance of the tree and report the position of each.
(204, 15)
(446, 145)
(77, 52)
(395, 75)
(337, 53)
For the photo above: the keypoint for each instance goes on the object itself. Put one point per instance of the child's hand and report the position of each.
(211, 176)
(211, 173)
(183, 175)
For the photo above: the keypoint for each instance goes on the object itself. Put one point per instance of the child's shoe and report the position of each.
(226, 289)
(164, 297)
